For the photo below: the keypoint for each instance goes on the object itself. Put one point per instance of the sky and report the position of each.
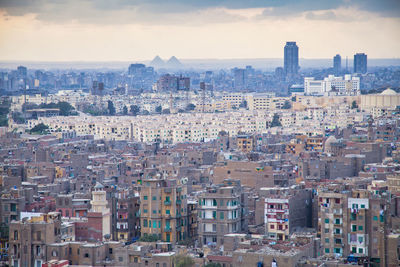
(129, 30)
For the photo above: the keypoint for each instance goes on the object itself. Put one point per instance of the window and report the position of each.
(54, 253)
(144, 223)
(145, 197)
(167, 212)
(337, 221)
(154, 198)
(360, 228)
(272, 226)
(375, 218)
(362, 206)
(337, 200)
(110, 251)
(38, 250)
(39, 235)
(221, 202)
(121, 259)
(86, 255)
(15, 235)
(145, 211)
(353, 250)
(337, 231)
(360, 239)
(326, 220)
(360, 250)
(221, 215)
(327, 240)
(354, 228)
(326, 230)
(326, 250)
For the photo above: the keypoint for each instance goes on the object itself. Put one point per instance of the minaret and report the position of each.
(370, 129)
(99, 204)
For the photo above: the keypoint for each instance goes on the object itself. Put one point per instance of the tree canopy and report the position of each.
(275, 121)
(40, 129)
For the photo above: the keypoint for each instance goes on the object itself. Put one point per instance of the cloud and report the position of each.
(326, 15)
(184, 11)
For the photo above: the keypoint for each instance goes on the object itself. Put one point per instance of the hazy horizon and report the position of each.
(72, 30)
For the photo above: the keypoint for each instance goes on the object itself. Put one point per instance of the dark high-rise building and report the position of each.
(22, 71)
(171, 83)
(291, 58)
(360, 63)
(337, 64)
(136, 69)
(240, 78)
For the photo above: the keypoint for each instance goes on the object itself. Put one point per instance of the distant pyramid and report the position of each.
(157, 62)
(174, 63)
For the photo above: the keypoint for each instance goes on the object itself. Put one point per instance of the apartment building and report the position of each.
(222, 210)
(127, 217)
(333, 222)
(286, 210)
(163, 210)
(245, 143)
(30, 236)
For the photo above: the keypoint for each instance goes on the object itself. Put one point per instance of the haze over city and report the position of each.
(200, 133)
(139, 30)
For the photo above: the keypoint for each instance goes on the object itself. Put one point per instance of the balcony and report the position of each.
(167, 202)
(167, 190)
(167, 229)
(178, 202)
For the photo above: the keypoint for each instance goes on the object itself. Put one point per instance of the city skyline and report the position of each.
(94, 31)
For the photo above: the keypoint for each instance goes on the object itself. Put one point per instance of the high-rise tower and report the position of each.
(337, 64)
(291, 58)
(360, 63)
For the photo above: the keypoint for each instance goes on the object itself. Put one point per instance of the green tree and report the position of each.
(134, 110)
(148, 238)
(183, 261)
(111, 108)
(190, 107)
(243, 104)
(40, 129)
(287, 105)
(166, 111)
(354, 105)
(65, 108)
(125, 110)
(158, 109)
(275, 121)
(212, 264)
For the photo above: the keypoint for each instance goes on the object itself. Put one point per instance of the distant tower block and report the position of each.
(203, 96)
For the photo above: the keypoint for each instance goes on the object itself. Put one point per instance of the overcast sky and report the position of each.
(128, 30)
